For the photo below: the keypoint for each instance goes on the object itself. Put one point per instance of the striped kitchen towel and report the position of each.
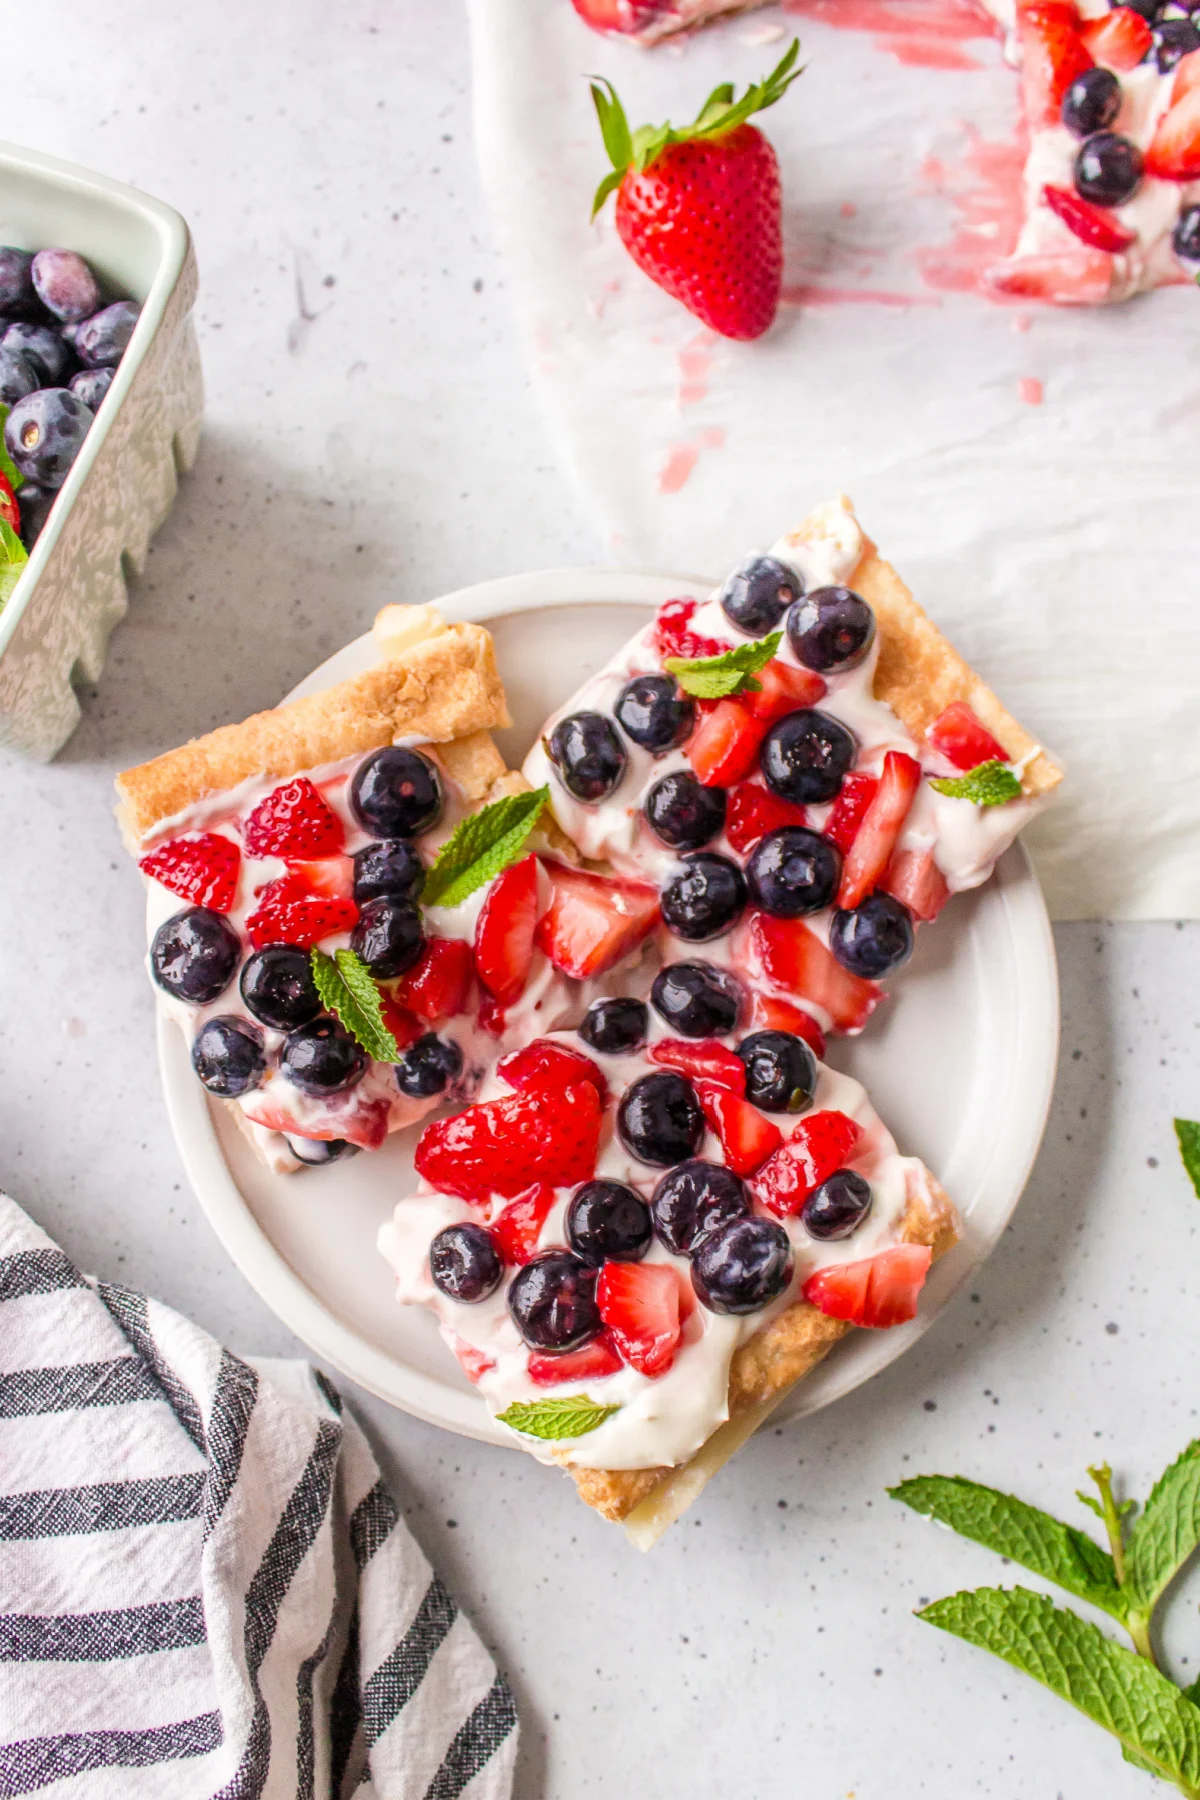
(205, 1588)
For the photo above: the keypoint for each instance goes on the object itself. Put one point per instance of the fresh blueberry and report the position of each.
(683, 814)
(615, 1025)
(390, 867)
(1186, 240)
(397, 793)
(1092, 102)
(831, 629)
(697, 1000)
(65, 285)
(91, 385)
(278, 987)
(17, 297)
(18, 377)
(659, 1119)
(465, 1264)
(588, 755)
(35, 504)
(793, 871)
(1173, 40)
(838, 1207)
(757, 595)
(781, 1071)
(805, 756)
(1108, 168)
(651, 710)
(44, 433)
(875, 937)
(102, 340)
(704, 897)
(388, 936)
(608, 1222)
(1149, 9)
(322, 1058)
(229, 1057)
(694, 1200)
(553, 1302)
(44, 348)
(194, 954)
(315, 1153)
(743, 1267)
(428, 1066)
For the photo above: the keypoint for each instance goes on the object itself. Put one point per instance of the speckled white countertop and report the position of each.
(370, 437)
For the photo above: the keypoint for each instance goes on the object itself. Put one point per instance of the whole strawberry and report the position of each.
(699, 206)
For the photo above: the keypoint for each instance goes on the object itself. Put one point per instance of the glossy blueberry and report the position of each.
(1092, 102)
(17, 297)
(322, 1058)
(35, 504)
(831, 629)
(1186, 239)
(694, 1200)
(659, 1119)
(44, 348)
(697, 1000)
(428, 1066)
(757, 595)
(875, 937)
(781, 1071)
(703, 898)
(465, 1264)
(388, 936)
(743, 1267)
(44, 433)
(588, 754)
(65, 285)
(552, 1301)
(805, 756)
(838, 1207)
(1149, 9)
(615, 1025)
(397, 793)
(194, 954)
(315, 1153)
(651, 710)
(608, 1222)
(278, 987)
(793, 871)
(1108, 168)
(229, 1057)
(1173, 40)
(91, 385)
(18, 377)
(682, 813)
(389, 867)
(102, 340)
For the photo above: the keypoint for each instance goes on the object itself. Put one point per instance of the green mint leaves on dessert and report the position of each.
(481, 846)
(566, 1416)
(7, 466)
(13, 557)
(347, 989)
(1188, 1133)
(991, 784)
(733, 672)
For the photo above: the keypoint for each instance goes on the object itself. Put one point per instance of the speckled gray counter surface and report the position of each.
(371, 437)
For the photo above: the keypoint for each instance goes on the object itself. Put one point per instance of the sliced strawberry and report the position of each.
(850, 809)
(622, 18)
(820, 1144)
(958, 735)
(1052, 54)
(1119, 39)
(752, 811)
(492, 1017)
(202, 869)
(770, 1013)
(724, 747)
(550, 1066)
(289, 912)
(519, 1226)
(1093, 225)
(703, 1058)
(293, 821)
(475, 1363)
(877, 1292)
(914, 877)
(1063, 277)
(404, 1026)
(1187, 76)
(783, 689)
(639, 1302)
(876, 837)
(592, 1363)
(593, 921)
(358, 1120)
(1174, 153)
(503, 1146)
(332, 876)
(795, 959)
(10, 509)
(440, 984)
(673, 634)
(504, 931)
(747, 1139)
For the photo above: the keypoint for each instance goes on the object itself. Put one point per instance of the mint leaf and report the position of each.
(1188, 1133)
(715, 677)
(1026, 1535)
(347, 988)
(991, 784)
(566, 1416)
(13, 557)
(1122, 1692)
(1168, 1531)
(7, 465)
(481, 846)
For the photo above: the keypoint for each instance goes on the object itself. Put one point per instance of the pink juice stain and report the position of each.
(695, 365)
(681, 459)
(924, 34)
(985, 191)
(1030, 390)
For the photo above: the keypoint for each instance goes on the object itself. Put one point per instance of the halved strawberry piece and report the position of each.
(751, 811)
(289, 912)
(962, 739)
(876, 837)
(795, 959)
(850, 809)
(673, 634)
(404, 1026)
(747, 1139)
(724, 746)
(1063, 277)
(1093, 225)
(770, 1013)
(503, 1146)
(519, 1226)
(10, 508)
(1119, 39)
(820, 1144)
(439, 985)
(1052, 54)
(492, 1016)
(475, 1363)
(550, 1066)
(914, 877)
(293, 821)
(782, 689)
(878, 1292)
(593, 921)
(1174, 153)
(622, 17)
(202, 869)
(332, 876)
(1187, 76)
(703, 1058)
(592, 1363)
(504, 931)
(639, 1302)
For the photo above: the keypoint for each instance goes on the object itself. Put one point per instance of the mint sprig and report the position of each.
(990, 784)
(348, 989)
(563, 1416)
(733, 672)
(481, 846)
(13, 557)
(1188, 1133)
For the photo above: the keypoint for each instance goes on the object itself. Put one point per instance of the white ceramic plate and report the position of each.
(960, 1063)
